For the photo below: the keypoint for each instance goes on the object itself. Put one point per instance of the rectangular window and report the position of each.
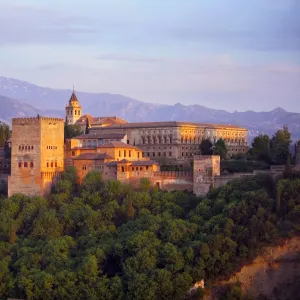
(141, 168)
(73, 153)
(124, 153)
(20, 165)
(129, 153)
(158, 153)
(153, 153)
(51, 164)
(31, 164)
(146, 167)
(170, 153)
(25, 164)
(119, 153)
(47, 165)
(84, 167)
(56, 164)
(138, 154)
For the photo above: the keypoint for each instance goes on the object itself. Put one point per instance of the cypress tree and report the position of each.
(12, 234)
(130, 209)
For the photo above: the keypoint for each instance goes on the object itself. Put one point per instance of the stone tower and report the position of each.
(37, 157)
(73, 109)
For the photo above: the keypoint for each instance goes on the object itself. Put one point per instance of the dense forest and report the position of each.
(103, 240)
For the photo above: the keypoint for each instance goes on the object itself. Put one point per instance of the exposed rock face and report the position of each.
(274, 273)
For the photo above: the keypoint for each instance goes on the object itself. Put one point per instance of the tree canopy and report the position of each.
(206, 147)
(4, 133)
(72, 131)
(220, 148)
(103, 240)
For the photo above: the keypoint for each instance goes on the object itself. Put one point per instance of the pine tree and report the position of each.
(288, 168)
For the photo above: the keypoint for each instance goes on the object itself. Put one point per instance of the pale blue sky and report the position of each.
(227, 54)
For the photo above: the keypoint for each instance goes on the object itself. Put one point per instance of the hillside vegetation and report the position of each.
(101, 240)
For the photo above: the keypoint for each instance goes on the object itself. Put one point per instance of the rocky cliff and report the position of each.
(275, 274)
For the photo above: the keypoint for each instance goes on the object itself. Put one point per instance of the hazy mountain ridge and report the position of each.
(50, 101)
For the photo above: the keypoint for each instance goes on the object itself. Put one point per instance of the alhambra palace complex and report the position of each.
(120, 150)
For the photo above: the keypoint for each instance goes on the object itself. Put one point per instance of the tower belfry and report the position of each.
(73, 109)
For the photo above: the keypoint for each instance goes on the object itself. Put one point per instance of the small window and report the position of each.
(73, 153)
(146, 167)
(47, 164)
(138, 154)
(25, 147)
(124, 153)
(170, 153)
(84, 167)
(136, 168)
(25, 164)
(31, 164)
(141, 168)
(56, 164)
(51, 164)
(119, 153)
(20, 165)
(19, 147)
(153, 153)
(129, 153)
(22, 147)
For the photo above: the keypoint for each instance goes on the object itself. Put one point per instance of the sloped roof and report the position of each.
(93, 156)
(101, 136)
(118, 145)
(73, 97)
(113, 120)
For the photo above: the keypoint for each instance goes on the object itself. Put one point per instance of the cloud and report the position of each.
(130, 58)
(267, 27)
(31, 24)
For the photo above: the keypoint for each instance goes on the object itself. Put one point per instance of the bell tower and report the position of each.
(73, 109)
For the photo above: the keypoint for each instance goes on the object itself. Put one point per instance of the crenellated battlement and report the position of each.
(34, 120)
(173, 174)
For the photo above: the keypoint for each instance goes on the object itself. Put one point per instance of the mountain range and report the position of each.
(20, 98)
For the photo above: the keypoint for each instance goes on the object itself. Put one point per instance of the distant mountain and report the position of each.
(52, 102)
(10, 108)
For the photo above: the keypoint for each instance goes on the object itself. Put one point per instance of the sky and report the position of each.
(224, 54)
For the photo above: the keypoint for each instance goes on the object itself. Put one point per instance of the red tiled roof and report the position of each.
(92, 156)
(101, 136)
(100, 120)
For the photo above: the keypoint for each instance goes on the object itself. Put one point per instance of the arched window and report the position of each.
(94, 143)
(89, 143)
(79, 113)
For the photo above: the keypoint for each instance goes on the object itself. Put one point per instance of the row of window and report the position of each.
(51, 164)
(149, 140)
(25, 147)
(158, 154)
(84, 167)
(52, 147)
(129, 153)
(77, 112)
(26, 164)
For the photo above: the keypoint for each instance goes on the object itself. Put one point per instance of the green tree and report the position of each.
(206, 147)
(280, 146)
(87, 126)
(130, 209)
(12, 234)
(72, 130)
(220, 148)
(260, 148)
